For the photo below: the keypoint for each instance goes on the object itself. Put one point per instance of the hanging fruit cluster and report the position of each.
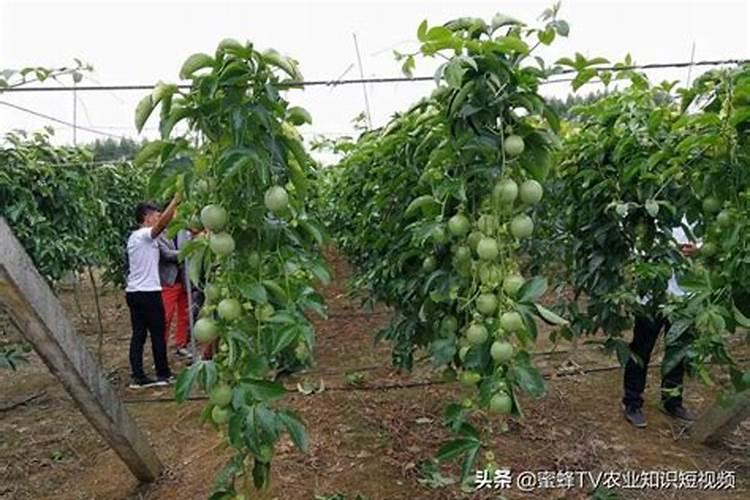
(245, 173)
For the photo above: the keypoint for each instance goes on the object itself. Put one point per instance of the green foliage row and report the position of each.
(67, 211)
(635, 164)
(432, 209)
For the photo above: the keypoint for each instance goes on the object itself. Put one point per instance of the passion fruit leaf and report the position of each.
(527, 376)
(295, 428)
(263, 390)
(532, 289)
(550, 317)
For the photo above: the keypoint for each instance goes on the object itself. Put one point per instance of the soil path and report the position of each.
(363, 442)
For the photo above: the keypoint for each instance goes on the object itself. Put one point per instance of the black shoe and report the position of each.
(634, 415)
(142, 383)
(680, 413)
(164, 381)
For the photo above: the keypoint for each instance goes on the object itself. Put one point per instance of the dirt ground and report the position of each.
(366, 442)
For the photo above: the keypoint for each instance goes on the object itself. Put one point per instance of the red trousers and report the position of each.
(175, 301)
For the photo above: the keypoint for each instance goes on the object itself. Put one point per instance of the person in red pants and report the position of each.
(174, 294)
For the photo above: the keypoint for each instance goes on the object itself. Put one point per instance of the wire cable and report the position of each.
(58, 120)
(352, 81)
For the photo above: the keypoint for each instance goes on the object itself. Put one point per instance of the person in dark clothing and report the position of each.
(645, 333)
(143, 294)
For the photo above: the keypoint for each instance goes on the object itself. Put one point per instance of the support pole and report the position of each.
(38, 315)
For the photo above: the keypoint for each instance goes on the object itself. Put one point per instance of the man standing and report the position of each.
(174, 295)
(143, 293)
(645, 333)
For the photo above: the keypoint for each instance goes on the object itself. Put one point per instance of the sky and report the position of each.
(142, 42)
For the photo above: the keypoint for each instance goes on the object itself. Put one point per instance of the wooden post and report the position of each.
(718, 420)
(36, 312)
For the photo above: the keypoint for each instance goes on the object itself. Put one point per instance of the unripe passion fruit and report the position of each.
(462, 254)
(212, 293)
(439, 235)
(511, 322)
(229, 309)
(708, 249)
(448, 325)
(276, 199)
(470, 378)
(459, 225)
(214, 217)
(221, 244)
(473, 239)
(521, 226)
(221, 395)
(502, 352)
(487, 304)
(724, 219)
(512, 284)
(429, 264)
(476, 334)
(220, 415)
(501, 403)
(505, 192)
(205, 330)
(513, 145)
(711, 205)
(531, 192)
(487, 249)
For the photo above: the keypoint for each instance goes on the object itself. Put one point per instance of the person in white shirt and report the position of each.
(645, 333)
(143, 293)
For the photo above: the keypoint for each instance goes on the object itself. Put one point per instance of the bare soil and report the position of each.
(365, 440)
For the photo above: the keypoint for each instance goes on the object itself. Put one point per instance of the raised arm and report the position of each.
(166, 217)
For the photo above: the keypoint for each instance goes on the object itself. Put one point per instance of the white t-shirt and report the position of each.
(143, 260)
(673, 288)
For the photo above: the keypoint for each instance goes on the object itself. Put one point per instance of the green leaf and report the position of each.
(283, 337)
(298, 116)
(276, 291)
(295, 428)
(223, 483)
(620, 347)
(263, 390)
(261, 474)
(532, 289)
(547, 36)
(741, 319)
(143, 111)
(185, 381)
(195, 265)
(455, 448)
(194, 63)
(562, 27)
(674, 356)
(147, 152)
(320, 272)
(509, 44)
(443, 351)
(313, 230)
(550, 317)
(255, 292)
(454, 73)
(527, 376)
(286, 64)
(422, 31)
(437, 34)
(500, 20)
(676, 329)
(582, 77)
